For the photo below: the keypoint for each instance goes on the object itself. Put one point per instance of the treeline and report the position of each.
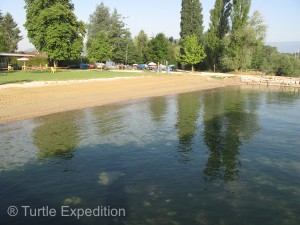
(234, 40)
(109, 39)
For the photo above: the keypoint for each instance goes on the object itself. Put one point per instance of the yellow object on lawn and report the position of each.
(53, 69)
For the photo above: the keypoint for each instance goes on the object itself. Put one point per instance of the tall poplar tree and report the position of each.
(240, 14)
(218, 28)
(238, 45)
(191, 19)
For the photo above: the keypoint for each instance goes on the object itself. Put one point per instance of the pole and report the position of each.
(126, 54)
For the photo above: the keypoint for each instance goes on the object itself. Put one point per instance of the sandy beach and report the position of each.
(28, 100)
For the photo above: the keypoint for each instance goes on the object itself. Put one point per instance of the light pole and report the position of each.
(126, 55)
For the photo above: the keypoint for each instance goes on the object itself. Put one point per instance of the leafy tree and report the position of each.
(100, 20)
(53, 28)
(99, 48)
(119, 36)
(132, 53)
(2, 43)
(2, 40)
(9, 33)
(241, 42)
(141, 42)
(283, 65)
(218, 28)
(240, 14)
(175, 52)
(193, 52)
(191, 19)
(112, 24)
(237, 54)
(159, 49)
(269, 53)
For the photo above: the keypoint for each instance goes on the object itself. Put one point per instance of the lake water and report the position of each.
(223, 156)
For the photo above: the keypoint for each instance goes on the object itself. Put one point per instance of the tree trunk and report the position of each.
(192, 68)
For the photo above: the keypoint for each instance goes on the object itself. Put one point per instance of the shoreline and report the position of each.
(39, 98)
(29, 100)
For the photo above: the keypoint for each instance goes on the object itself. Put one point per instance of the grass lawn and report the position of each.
(29, 76)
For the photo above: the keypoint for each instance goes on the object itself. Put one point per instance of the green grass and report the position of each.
(29, 76)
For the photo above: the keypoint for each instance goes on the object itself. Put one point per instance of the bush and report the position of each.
(36, 61)
(282, 65)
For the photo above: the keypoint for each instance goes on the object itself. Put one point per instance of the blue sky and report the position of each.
(282, 17)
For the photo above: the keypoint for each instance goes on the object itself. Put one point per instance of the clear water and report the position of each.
(224, 156)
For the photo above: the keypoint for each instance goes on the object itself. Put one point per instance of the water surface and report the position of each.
(224, 156)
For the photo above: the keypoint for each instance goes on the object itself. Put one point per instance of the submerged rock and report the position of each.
(146, 204)
(172, 213)
(2, 166)
(106, 178)
(72, 201)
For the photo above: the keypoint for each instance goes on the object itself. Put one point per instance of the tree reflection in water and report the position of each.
(109, 119)
(158, 108)
(187, 117)
(57, 134)
(229, 120)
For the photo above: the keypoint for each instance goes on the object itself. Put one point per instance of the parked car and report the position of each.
(142, 66)
(84, 66)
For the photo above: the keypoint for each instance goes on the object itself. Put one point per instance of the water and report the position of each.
(224, 156)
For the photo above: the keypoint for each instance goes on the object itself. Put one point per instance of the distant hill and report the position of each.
(286, 47)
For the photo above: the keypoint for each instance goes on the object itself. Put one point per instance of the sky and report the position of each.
(155, 16)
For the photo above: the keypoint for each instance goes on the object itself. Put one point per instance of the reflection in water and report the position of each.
(57, 134)
(187, 117)
(283, 97)
(229, 119)
(158, 108)
(109, 119)
(125, 157)
(115, 188)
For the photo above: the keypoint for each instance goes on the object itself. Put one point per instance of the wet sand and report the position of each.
(23, 101)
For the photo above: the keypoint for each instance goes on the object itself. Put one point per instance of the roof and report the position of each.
(15, 54)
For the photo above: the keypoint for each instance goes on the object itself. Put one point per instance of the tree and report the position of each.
(99, 21)
(141, 42)
(2, 40)
(9, 33)
(175, 52)
(112, 24)
(218, 28)
(159, 49)
(240, 14)
(99, 48)
(193, 52)
(237, 52)
(241, 43)
(133, 55)
(283, 65)
(53, 28)
(269, 53)
(191, 19)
